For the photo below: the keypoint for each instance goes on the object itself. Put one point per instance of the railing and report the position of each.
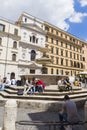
(50, 125)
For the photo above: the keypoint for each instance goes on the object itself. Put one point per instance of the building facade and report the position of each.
(9, 45)
(20, 44)
(66, 51)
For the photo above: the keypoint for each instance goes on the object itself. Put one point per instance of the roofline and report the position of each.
(65, 32)
(8, 21)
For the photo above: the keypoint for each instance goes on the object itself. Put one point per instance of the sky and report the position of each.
(69, 15)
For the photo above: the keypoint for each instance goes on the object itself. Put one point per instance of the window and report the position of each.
(25, 19)
(32, 71)
(74, 64)
(2, 27)
(66, 53)
(30, 38)
(37, 40)
(71, 63)
(81, 65)
(83, 58)
(52, 50)
(66, 45)
(52, 30)
(34, 39)
(61, 52)
(33, 55)
(56, 32)
(52, 58)
(14, 44)
(57, 60)
(71, 73)
(46, 38)
(51, 40)
(46, 28)
(70, 54)
(52, 71)
(62, 72)
(70, 47)
(61, 61)
(77, 56)
(74, 56)
(0, 40)
(66, 62)
(62, 44)
(57, 50)
(56, 42)
(57, 71)
(13, 57)
(66, 36)
(61, 35)
(15, 31)
(78, 65)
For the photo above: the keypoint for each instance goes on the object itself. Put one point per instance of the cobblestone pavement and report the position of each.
(35, 115)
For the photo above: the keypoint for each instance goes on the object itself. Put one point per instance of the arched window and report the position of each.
(33, 55)
(14, 44)
(13, 57)
(0, 40)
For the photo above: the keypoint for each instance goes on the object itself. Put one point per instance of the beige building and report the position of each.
(66, 50)
(84, 53)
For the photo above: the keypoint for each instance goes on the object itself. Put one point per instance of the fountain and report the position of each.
(44, 60)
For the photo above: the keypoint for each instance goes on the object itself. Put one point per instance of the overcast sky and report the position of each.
(69, 15)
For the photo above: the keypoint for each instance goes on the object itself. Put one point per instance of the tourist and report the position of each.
(76, 83)
(40, 86)
(5, 83)
(13, 81)
(67, 84)
(61, 85)
(27, 86)
(68, 113)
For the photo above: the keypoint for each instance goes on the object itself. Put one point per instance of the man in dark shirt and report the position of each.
(69, 112)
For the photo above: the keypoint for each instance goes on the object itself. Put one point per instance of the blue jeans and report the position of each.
(2, 87)
(62, 117)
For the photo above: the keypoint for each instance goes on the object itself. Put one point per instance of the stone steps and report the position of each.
(49, 94)
(41, 97)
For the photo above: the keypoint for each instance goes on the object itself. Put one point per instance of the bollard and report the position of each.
(85, 112)
(10, 114)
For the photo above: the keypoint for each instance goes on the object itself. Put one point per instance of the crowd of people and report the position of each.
(30, 85)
